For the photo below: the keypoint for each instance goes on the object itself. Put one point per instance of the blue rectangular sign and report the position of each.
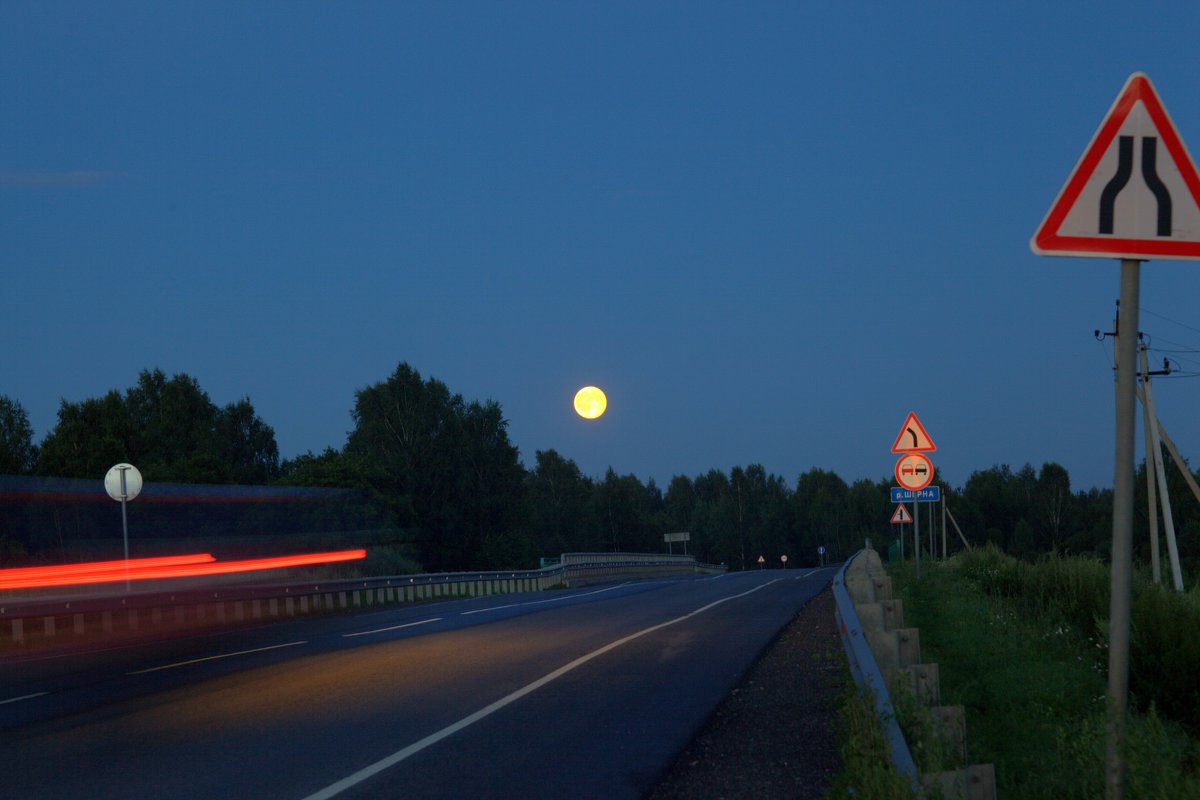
(930, 494)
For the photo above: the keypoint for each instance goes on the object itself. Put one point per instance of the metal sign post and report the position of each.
(1135, 150)
(1122, 542)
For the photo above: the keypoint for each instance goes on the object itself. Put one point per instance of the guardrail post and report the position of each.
(883, 655)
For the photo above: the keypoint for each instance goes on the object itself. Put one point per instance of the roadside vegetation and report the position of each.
(866, 772)
(1023, 647)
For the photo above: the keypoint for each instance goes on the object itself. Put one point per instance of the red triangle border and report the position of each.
(1047, 242)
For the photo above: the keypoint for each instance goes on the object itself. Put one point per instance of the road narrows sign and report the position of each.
(901, 516)
(1135, 193)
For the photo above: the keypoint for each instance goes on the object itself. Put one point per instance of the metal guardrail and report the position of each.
(275, 599)
(865, 671)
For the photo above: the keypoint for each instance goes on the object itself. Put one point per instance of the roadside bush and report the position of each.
(996, 573)
(1075, 590)
(1164, 645)
(1165, 652)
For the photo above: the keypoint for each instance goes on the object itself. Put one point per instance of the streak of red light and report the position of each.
(165, 567)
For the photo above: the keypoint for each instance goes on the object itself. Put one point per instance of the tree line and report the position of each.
(444, 469)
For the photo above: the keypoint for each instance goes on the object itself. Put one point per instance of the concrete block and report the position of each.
(951, 722)
(885, 646)
(883, 588)
(909, 645)
(871, 559)
(976, 782)
(926, 683)
(893, 614)
(860, 588)
(870, 616)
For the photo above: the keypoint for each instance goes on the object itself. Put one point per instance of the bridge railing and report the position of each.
(34, 620)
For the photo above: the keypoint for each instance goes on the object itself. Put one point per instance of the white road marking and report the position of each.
(23, 697)
(214, 658)
(540, 602)
(400, 755)
(392, 628)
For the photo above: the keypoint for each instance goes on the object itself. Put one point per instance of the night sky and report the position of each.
(768, 231)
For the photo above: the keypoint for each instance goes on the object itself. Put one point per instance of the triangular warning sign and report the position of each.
(913, 438)
(901, 516)
(1134, 194)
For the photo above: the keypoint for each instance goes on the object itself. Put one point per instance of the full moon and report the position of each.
(590, 402)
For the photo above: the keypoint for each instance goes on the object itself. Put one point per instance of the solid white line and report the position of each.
(214, 658)
(540, 602)
(392, 628)
(400, 755)
(23, 697)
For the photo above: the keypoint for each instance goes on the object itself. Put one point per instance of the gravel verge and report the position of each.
(773, 737)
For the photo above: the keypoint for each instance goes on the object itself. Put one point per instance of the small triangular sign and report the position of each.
(901, 515)
(912, 437)
(1135, 192)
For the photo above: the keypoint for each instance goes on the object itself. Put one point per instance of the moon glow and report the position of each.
(590, 402)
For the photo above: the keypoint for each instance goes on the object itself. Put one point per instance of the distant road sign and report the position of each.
(901, 516)
(914, 471)
(123, 482)
(931, 494)
(913, 437)
(1110, 209)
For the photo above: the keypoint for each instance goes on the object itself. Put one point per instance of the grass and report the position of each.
(867, 770)
(1021, 648)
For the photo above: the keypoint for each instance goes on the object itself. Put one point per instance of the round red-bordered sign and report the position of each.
(914, 471)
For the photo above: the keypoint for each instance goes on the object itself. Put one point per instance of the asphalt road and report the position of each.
(582, 693)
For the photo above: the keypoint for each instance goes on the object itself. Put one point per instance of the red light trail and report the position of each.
(139, 569)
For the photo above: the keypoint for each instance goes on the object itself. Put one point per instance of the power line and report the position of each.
(1168, 319)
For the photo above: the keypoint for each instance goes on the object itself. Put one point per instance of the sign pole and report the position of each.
(123, 483)
(929, 519)
(917, 535)
(125, 523)
(1122, 542)
(943, 529)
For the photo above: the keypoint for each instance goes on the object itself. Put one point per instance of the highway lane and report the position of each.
(587, 693)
